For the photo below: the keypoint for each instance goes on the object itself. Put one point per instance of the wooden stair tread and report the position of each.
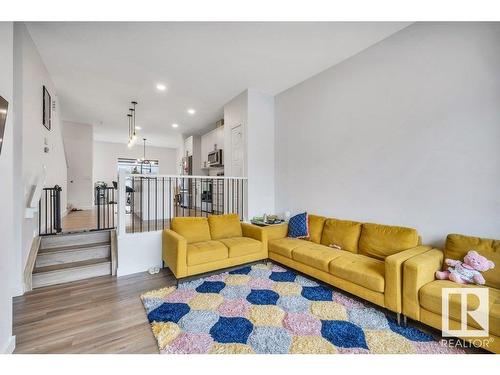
(72, 248)
(64, 266)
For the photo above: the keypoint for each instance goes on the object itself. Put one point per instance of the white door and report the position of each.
(237, 151)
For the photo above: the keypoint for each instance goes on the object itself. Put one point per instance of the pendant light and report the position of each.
(143, 160)
(132, 136)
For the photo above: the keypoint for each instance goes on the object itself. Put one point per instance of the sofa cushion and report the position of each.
(380, 241)
(343, 233)
(360, 270)
(316, 224)
(430, 299)
(298, 226)
(285, 246)
(224, 226)
(317, 256)
(458, 245)
(205, 252)
(193, 229)
(241, 246)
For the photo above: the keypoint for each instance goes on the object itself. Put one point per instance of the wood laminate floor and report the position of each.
(100, 315)
(86, 220)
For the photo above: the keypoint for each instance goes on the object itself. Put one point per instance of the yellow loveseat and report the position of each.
(422, 292)
(361, 258)
(196, 245)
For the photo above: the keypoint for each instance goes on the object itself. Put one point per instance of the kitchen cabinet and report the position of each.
(192, 147)
(209, 142)
(188, 146)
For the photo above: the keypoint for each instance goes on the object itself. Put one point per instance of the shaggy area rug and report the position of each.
(268, 309)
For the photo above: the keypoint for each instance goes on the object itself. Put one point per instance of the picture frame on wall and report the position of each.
(47, 113)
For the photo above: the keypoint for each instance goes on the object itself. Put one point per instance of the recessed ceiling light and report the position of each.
(138, 128)
(175, 125)
(191, 111)
(161, 87)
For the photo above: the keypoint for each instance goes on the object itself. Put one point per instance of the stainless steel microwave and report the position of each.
(215, 158)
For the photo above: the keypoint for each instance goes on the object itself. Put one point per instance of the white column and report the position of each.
(122, 201)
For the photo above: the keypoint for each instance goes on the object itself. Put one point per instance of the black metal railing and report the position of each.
(151, 201)
(49, 211)
(105, 205)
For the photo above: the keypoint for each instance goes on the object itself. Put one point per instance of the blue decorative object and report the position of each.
(211, 287)
(241, 271)
(343, 334)
(317, 293)
(263, 297)
(410, 333)
(169, 312)
(298, 226)
(231, 330)
(287, 276)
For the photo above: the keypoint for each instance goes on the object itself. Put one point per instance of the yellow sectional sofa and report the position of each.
(361, 258)
(422, 292)
(196, 245)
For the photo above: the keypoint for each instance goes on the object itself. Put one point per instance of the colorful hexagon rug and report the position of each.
(268, 309)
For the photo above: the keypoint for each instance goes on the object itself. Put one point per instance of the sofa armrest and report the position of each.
(419, 271)
(394, 276)
(277, 231)
(175, 252)
(254, 231)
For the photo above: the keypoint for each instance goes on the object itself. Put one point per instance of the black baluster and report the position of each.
(163, 202)
(170, 199)
(98, 199)
(40, 216)
(156, 203)
(140, 201)
(132, 202)
(149, 203)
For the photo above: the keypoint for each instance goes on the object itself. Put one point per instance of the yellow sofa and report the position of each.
(196, 245)
(422, 292)
(361, 258)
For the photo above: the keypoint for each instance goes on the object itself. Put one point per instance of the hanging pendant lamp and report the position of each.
(132, 136)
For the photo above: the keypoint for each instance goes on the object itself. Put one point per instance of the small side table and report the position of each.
(266, 224)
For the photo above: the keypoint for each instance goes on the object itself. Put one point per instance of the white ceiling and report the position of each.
(98, 68)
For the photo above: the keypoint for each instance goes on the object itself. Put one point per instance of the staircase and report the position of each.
(70, 257)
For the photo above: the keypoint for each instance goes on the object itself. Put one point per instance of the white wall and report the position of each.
(406, 132)
(79, 147)
(260, 154)
(7, 243)
(33, 76)
(106, 156)
(137, 252)
(253, 110)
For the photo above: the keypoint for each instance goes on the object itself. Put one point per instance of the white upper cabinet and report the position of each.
(209, 141)
(188, 146)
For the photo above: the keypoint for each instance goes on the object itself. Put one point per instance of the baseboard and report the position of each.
(10, 345)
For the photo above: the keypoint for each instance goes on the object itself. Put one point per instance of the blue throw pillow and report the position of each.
(298, 226)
